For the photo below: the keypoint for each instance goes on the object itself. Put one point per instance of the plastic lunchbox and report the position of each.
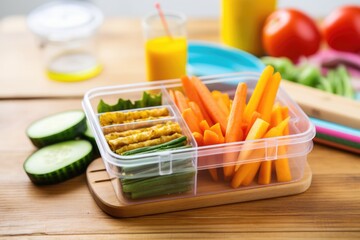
(184, 173)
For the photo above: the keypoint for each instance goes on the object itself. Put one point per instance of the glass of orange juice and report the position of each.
(165, 49)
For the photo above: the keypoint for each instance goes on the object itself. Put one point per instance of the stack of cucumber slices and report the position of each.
(63, 151)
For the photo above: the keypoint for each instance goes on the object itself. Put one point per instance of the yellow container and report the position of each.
(242, 22)
(166, 55)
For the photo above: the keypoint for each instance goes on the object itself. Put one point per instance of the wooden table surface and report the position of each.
(330, 209)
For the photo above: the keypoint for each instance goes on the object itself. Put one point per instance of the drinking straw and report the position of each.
(163, 20)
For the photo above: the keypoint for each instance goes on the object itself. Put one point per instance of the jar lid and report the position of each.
(65, 20)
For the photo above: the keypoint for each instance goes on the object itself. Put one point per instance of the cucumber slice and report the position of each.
(58, 162)
(57, 128)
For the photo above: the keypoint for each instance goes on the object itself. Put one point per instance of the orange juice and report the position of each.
(166, 58)
(242, 22)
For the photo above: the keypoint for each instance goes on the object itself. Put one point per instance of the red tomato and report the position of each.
(342, 29)
(290, 33)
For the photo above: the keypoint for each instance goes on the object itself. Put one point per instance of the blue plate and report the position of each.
(212, 59)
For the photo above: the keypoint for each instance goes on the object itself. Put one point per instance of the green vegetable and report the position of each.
(162, 190)
(343, 75)
(336, 82)
(309, 76)
(148, 100)
(150, 183)
(282, 65)
(172, 143)
(58, 162)
(159, 185)
(57, 128)
(325, 85)
(179, 165)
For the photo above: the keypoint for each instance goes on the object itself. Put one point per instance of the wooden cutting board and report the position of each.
(101, 188)
(325, 106)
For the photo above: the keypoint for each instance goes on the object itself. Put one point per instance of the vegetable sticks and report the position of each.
(215, 112)
(181, 101)
(234, 132)
(211, 138)
(190, 119)
(257, 131)
(191, 93)
(258, 92)
(268, 98)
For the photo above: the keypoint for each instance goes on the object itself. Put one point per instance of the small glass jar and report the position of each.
(66, 30)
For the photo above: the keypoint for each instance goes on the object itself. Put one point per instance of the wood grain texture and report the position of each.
(330, 209)
(324, 105)
(102, 189)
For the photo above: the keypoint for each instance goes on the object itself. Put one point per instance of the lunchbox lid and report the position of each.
(301, 141)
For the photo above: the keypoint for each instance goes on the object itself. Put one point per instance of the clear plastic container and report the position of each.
(185, 173)
(66, 31)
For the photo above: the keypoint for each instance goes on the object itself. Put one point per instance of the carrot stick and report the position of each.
(267, 166)
(217, 129)
(278, 130)
(265, 172)
(191, 120)
(204, 126)
(265, 169)
(258, 92)
(283, 172)
(223, 106)
(224, 97)
(191, 93)
(210, 104)
(218, 96)
(172, 96)
(247, 172)
(276, 116)
(268, 97)
(198, 138)
(181, 101)
(234, 132)
(285, 114)
(211, 138)
(255, 115)
(197, 110)
(257, 131)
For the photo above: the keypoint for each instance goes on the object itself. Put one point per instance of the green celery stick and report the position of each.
(150, 148)
(342, 73)
(151, 183)
(162, 190)
(309, 76)
(326, 85)
(153, 169)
